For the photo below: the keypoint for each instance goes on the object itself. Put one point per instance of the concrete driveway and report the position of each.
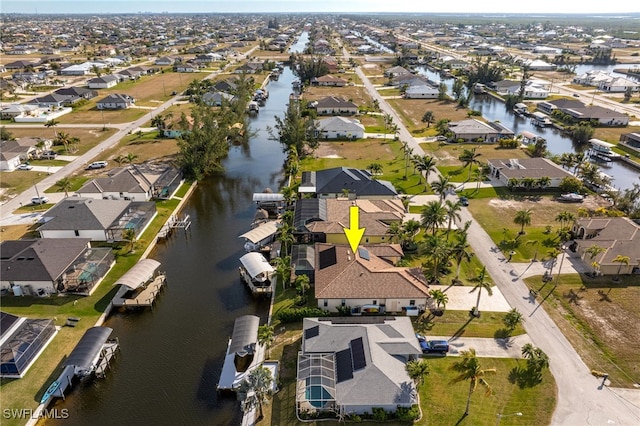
(486, 347)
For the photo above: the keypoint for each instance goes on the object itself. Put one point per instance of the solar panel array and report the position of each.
(364, 253)
(344, 365)
(311, 332)
(328, 257)
(357, 353)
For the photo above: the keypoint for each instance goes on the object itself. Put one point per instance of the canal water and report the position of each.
(300, 44)
(171, 357)
(494, 110)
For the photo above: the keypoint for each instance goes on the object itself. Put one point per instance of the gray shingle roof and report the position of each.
(84, 214)
(333, 181)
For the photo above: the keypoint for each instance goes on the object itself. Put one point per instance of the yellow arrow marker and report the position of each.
(353, 232)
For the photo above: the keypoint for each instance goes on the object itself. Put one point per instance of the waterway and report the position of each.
(300, 44)
(494, 110)
(171, 357)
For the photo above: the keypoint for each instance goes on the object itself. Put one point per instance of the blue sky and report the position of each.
(417, 6)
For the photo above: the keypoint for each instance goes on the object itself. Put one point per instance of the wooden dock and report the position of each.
(172, 223)
(109, 350)
(143, 298)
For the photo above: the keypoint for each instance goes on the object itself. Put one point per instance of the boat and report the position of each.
(520, 109)
(253, 107)
(540, 119)
(602, 150)
(256, 272)
(242, 353)
(53, 387)
(572, 197)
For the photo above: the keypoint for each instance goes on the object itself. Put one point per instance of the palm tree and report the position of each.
(255, 390)
(565, 218)
(424, 164)
(417, 370)
(537, 360)
(130, 157)
(469, 157)
(453, 208)
(129, 235)
(622, 260)
(460, 251)
(469, 369)
(302, 284)
(52, 124)
(375, 168)
(266, 336)
(440, 297)
(289, 194)
(593, 251)
(397, 232)
(63, 138)
(64, 184)
(481, 283)
(436, 251)
(522, 217)
(286, 237)
(534, 243)
(513, 319)
(433, 215)
(442, 186)
(282, 270)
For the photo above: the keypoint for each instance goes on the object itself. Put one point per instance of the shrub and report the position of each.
(289, 315)
(379, 414)
(408, 414)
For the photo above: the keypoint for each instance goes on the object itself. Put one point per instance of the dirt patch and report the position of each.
(544, 208)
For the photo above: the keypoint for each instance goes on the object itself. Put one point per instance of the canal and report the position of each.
(171, 357)
(494, 110)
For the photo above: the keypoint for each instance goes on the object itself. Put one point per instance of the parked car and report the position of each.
(39, 200)
(464, 201)
(434, 346)
(97, 165)
(24, 166)
(48, 155)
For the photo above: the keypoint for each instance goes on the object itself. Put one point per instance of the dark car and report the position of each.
(433, 346)
(464, 201)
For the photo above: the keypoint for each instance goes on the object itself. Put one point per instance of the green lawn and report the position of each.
(443, 402)
(461, 324)
(76, 183)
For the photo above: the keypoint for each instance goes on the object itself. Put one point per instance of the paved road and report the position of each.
(581, 399)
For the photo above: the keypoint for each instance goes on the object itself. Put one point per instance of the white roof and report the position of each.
(141, 273)
(601, 143)
(261, 232)
(255, 264)
(268, 196)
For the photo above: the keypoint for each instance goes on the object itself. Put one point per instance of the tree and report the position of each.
(469, 157)
(52, 124)
(417, 370)
(266, 336)
(375, 168)
(63, 138)
(5, 134)
(440, 297)
(433, 215)
(442, 186)
(295, 131)
(453, 208)
(130, 157)
(428, 118)
(120, 159)
(64, 184)
(282, 270)
(129, 235)
(481, 283)
(582, 133)
(255, 390)
(469, 369)
(565, 218)
(512, 319)
(522, 218)
(622, 260)
(286, 238)
(537, 360)
(424, 164)
(436, 250)
(302, 284)
(442, 92)
(460, 251)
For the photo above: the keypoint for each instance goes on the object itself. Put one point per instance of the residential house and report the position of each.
(476, 130)
(16, 110)
(40, 267)
(78, 92)
(558, 104)
(22, 340)
(324, 219)
(186, 68)
(166, 60)
(14, 152)
(104, 82)
(351, 367)
(532, 90)
(631, 140)
(422, 91)
(604, 116)
(249, 68)
(617, 236)
(340, 128)
(396, 71)
(216, 98)
(140, 182)
(539, 65)
(98, 220)
(53, 100)
(523, 168)
(115, 101)
(333, 105)
(328, 80)
(339, 181)
(347, 279)
(619, 85)
(21, 65)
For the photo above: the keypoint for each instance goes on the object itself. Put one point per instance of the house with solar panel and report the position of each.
(345, 182)
(350, 365)
(365, 282)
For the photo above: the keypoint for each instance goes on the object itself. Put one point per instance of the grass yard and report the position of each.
(360, 154)
(146, 146)
(25, 393)
(17, 232)
(443, 403)
(448, 154)
(461, 324)
(496, 215)
(88, 137)
(356, 94)
(76, 183)
(412, 110)
(601, 319)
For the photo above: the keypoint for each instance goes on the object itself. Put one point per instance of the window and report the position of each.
(412, 302)
(326, 303)
(375, 302)
(343, 302)
(76, 232)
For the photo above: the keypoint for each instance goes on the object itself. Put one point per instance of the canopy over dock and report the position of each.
(256, 266)
(141, 273)
(86, 353)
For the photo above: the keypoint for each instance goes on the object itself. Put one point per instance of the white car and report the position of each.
(24, 167)
(39, 200)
